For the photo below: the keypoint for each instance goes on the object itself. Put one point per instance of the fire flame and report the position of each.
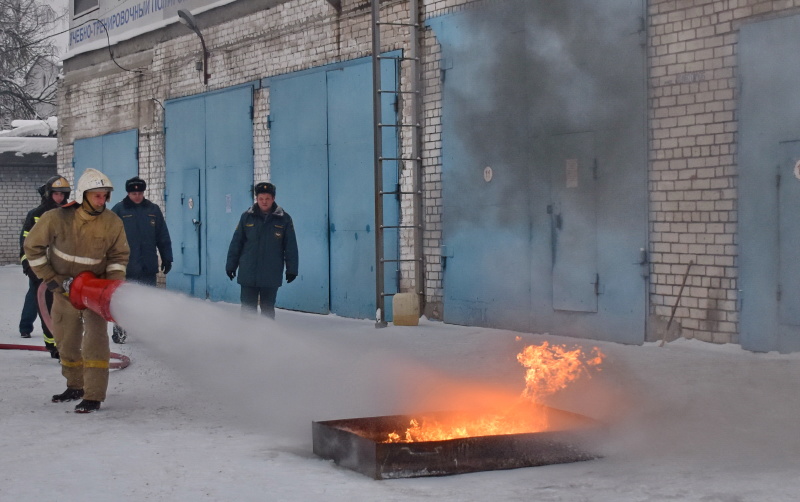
(549, 369)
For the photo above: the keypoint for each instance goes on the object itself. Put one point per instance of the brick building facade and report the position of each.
(25, 164)
(691, 102)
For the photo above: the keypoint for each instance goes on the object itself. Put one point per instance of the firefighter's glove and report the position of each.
(290, 277)
(166, 266)
(59, 288)
(231, 274)
(26, 269)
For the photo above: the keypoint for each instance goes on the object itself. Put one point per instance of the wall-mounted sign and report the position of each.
(191, 203)
(571, 168)
(96, 24)
(487, 174)
(797, 169)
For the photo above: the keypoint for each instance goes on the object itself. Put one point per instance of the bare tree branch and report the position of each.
(27, 59)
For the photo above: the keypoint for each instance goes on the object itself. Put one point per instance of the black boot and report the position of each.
(68, 395)
(25, 335)
(54, 352)
(87, 406)
(118, 335)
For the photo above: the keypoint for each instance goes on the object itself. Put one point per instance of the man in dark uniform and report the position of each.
(147, 232)
(263, 242)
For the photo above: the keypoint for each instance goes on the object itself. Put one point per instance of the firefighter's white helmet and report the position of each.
(90, 180)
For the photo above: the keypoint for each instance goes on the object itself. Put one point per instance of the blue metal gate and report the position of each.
(573, 220)
(544, 185)
(299, 170)
(209, 173)
(322, 165)
(351, 173)
(769, 186)
(789, 247)
(116, 155)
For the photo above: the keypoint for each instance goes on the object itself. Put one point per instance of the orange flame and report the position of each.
(550, 368)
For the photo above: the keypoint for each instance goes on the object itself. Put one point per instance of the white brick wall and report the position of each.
(19, 197)
(691, 106)
(293, 36)
(693, 126)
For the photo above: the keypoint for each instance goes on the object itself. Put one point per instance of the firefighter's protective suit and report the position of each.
(65, 242)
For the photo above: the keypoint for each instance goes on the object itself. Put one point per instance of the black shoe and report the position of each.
(68, 395)
(25, 335)
(119, 335)
(87, 406)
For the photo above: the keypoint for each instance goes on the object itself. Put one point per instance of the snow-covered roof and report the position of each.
(30, 137)
(26, 146)
(30, 128)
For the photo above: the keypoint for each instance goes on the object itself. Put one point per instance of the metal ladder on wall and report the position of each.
(412, 161)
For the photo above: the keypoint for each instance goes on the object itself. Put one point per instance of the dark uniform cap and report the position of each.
(135, 184)
(265, 188)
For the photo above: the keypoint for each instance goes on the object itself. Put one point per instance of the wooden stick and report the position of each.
(675, 307)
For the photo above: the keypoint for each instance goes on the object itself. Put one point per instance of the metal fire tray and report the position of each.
(357, 443)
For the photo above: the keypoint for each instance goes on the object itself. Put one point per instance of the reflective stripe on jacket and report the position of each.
(67, 241)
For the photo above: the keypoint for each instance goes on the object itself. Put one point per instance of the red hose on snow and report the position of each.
(123, 363)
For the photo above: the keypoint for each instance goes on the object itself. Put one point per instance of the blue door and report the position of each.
(544, 185)
(185, 165)
(299, 170)
(351, 186)
(789, 247)
(116, 155)
(229, 181)
(191, 222)
(209, 172)
(322, 165)
(769, 186)
(573, 220)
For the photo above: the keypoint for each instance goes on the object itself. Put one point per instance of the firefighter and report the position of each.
(263, 242)
(54, 193)
(147, 232)
(74, 238)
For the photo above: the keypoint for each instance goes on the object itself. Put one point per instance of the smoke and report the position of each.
(529, 71)
(279, 379)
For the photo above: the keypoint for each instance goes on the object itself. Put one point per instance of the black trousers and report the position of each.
(30, 310)
(250, 300)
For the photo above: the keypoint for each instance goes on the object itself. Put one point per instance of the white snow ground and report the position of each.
(218, 408)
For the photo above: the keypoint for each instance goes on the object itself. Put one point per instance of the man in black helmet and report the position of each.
(263, 242)
(55, 193)
(147, 232)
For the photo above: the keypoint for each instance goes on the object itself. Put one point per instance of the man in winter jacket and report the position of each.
(66, 241)
(263, 242)
(147, 232)
(55, 193)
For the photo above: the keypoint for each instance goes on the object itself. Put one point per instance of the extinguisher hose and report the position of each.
(122, 360)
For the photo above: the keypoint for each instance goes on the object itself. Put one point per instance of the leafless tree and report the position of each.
(27, 59)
